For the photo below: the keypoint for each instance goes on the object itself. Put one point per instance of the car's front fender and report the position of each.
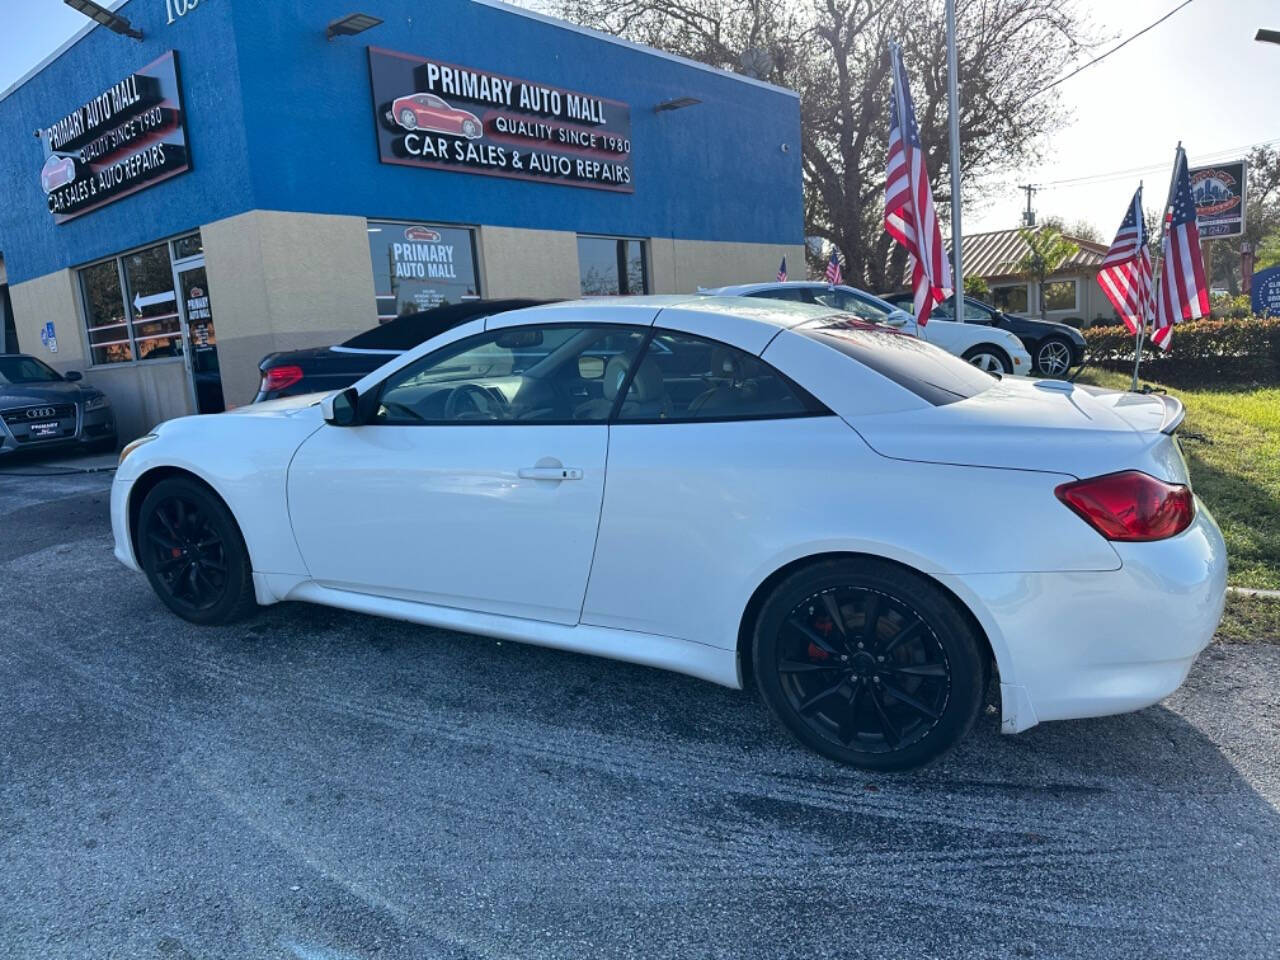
(244, 459)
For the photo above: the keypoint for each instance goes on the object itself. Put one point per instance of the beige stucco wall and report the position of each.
(682, 266)
(281, 281)
(528, 263)
(141, 394)
(51, 297)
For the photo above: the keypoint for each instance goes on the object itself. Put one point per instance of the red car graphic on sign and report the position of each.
(421, 234)
(426, 111)
(57, 172)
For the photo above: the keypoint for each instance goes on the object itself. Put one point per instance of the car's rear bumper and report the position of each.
(1093, 644)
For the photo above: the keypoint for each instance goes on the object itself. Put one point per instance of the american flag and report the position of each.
(1183, 293)
(1125, 276)
(908, 210)
(782, 271)
(833, 269)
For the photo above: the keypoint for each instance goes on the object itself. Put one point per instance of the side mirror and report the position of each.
(73, 375)
(341, 409)
(896, 320)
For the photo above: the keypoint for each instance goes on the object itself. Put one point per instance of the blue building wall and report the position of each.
(280, 118)
(217, 186)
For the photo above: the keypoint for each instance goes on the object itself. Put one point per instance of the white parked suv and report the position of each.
(991, 349)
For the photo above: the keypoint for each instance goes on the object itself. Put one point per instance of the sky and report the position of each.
(1199, 77)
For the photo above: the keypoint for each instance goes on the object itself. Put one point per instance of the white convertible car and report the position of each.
(721, 487)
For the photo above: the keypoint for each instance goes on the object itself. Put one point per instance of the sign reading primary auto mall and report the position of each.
(446, 117)
(130, 136)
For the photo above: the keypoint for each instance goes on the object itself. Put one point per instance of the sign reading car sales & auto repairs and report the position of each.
(130, 136)
(446, 117)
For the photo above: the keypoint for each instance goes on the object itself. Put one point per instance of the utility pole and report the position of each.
(953, 104)
(1029, 218)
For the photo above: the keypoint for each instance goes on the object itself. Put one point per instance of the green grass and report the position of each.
(1236, 471)
(1249, 620)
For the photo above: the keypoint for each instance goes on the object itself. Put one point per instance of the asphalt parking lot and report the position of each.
(321, 785)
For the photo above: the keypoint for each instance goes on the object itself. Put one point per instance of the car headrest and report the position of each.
(647, 386)
(614, 373)
(726, 363)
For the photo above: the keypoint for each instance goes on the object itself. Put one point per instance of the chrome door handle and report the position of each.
(550, 473)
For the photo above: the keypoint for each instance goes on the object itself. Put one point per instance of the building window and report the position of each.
(1060, 295)
(609, 266)
(1012, 299)
(105, 315)
(188, 246)
(148, 275)
(419, 266)
(131, 306)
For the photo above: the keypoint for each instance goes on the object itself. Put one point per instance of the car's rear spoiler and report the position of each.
(1174, 413)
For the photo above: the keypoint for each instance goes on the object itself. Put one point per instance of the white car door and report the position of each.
(478, 480)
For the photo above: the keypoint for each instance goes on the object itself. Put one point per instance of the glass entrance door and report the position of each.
(202, 342)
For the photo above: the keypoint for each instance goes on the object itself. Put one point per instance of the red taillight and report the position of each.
(277, 378)
(1130, 505)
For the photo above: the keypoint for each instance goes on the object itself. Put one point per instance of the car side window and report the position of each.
(525, 374)
(793, 294)
(863, 307)
(978, 313)
(688, 378)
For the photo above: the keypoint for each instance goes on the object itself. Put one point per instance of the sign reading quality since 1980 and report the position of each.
(130, 136)
(446, 117)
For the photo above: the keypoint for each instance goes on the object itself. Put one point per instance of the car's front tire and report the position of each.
(191, 550)
(868, 663)
(989, 358)
(470, 129)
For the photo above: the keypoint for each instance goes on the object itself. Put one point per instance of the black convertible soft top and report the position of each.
(405, 333)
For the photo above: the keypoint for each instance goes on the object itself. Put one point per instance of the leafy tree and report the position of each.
(1047, 250)
(835, 53)
(978, 287)
(1080, 229)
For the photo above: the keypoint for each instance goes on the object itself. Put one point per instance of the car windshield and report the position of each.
(25, 370)
(920, 367)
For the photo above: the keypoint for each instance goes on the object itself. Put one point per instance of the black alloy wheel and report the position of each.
(192, 552)
(868, 663)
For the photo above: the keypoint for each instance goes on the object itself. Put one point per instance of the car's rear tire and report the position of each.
(191, 550)
(1053, 356)
(408, 119)
(868, 663)
(989, 358)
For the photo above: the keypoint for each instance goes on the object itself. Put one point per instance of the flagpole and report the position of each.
(953, 101)
(1159, 262)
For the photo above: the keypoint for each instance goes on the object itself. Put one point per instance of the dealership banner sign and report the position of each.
(1219, 193)
(446, 117)
(130, 136)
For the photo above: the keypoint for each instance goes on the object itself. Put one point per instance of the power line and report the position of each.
(1088, 179)
(1118, 46)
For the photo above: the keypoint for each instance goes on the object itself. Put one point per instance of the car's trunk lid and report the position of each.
(1047, 425)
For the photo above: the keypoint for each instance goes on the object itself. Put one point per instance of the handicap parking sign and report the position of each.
(49, 338)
